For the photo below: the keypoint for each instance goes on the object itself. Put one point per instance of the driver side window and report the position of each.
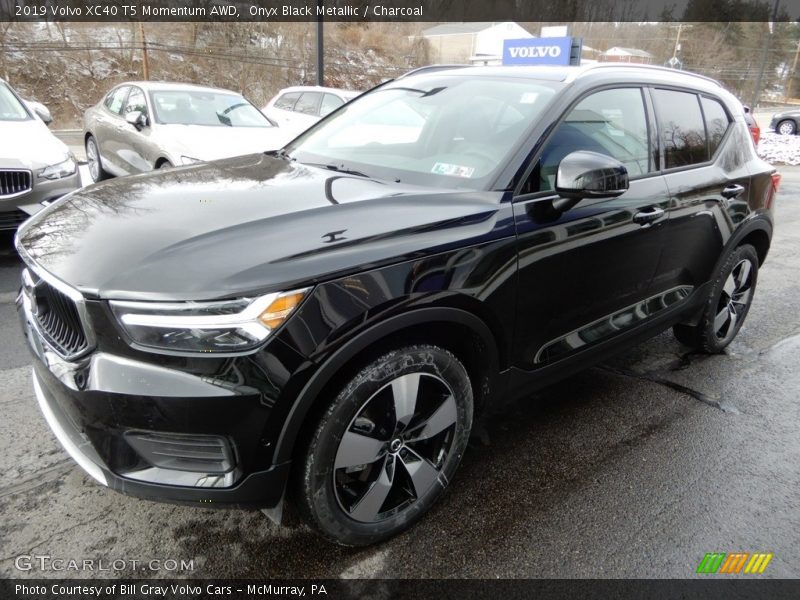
(136, 102)
(611, 122)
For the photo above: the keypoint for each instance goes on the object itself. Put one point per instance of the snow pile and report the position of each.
(780, 149)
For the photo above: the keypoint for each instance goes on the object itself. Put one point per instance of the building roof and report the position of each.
(458, 28)
(620, 51)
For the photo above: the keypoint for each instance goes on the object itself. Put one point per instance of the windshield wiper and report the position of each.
(338, 169)
(280, 153)
(341, 169)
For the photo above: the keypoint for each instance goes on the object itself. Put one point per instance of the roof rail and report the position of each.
(432, 69)
(616, 65)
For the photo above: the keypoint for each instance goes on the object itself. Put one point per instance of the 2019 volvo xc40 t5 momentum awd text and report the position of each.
(320, 325)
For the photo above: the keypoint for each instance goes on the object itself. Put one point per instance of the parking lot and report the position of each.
(635, 468)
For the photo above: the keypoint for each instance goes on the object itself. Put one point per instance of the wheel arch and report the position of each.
(461, 332)
(757, 232)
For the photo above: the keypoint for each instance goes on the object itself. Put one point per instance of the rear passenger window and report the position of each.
(286, 102)
(116, 98)
(717, 122)
(682, 128)
(611, 122)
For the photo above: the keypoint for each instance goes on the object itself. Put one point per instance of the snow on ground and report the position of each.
(779, 149)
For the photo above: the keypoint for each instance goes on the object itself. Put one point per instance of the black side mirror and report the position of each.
(137, 119)
(584, 174)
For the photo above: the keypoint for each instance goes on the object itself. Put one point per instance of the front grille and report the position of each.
(14, 183)
(57, 317)
(12, 219)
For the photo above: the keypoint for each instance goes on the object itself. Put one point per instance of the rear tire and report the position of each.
(787, 127)
(387, 447)
(727, 305)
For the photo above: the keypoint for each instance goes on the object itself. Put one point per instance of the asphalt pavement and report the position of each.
(635, 468)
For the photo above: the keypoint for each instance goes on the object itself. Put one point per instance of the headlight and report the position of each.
(221, 327)
(188, 160)
(62, 169)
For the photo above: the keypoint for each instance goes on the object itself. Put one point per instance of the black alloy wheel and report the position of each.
(388, 446)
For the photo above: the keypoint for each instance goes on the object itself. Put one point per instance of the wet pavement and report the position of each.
(635, 468)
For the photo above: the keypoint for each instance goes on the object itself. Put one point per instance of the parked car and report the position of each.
(786, 123)
(298, 108)
(36, 168)
(752, 125)
(329, 318)
(141, 126)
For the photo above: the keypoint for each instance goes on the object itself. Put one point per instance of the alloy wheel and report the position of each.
(393, 450)
(786, 128)
(93, 159)
(734, 300)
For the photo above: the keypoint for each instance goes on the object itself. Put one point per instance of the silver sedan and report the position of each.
(141, 126)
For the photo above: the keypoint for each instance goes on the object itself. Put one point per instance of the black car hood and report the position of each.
(244, 225)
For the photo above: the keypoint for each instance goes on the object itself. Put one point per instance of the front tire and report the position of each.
(727, 305)
(787, 127)
(95, 163)
(387, 447)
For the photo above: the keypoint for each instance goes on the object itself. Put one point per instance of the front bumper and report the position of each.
(92, 404)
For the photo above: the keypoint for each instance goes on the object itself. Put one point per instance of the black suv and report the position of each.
(323, 323)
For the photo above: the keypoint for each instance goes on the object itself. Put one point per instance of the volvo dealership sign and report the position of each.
(537, 51)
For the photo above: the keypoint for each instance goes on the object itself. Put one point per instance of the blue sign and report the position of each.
(537, 51)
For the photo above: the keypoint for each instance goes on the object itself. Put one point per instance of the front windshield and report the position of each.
(186, 107)
(444, 131)
(11, 109)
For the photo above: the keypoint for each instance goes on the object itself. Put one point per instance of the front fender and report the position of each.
(349, 350)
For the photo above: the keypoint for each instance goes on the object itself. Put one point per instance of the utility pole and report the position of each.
(788, 93)
(320, 48)
(764, 55)
(677, 41)
(675, 62)
(145, 62)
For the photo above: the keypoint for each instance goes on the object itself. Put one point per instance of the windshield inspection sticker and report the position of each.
(454, 170)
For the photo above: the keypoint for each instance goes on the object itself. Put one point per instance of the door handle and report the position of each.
(732, 191)
(645, 217)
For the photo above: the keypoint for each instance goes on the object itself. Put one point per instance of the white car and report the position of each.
(36, 168)
(141, 126)
(298, 108)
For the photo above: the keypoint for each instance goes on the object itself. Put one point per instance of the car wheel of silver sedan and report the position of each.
(94, 161)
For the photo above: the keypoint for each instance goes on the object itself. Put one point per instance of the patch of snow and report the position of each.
(780, 149)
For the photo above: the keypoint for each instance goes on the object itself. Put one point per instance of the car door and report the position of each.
(282, 109)
(110, 128)
(585, 274)
(136, 147)
(306, 110)
(708, 182)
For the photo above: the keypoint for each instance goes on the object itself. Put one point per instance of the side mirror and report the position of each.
(41, 111)
(584, 174)
(137, 119)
